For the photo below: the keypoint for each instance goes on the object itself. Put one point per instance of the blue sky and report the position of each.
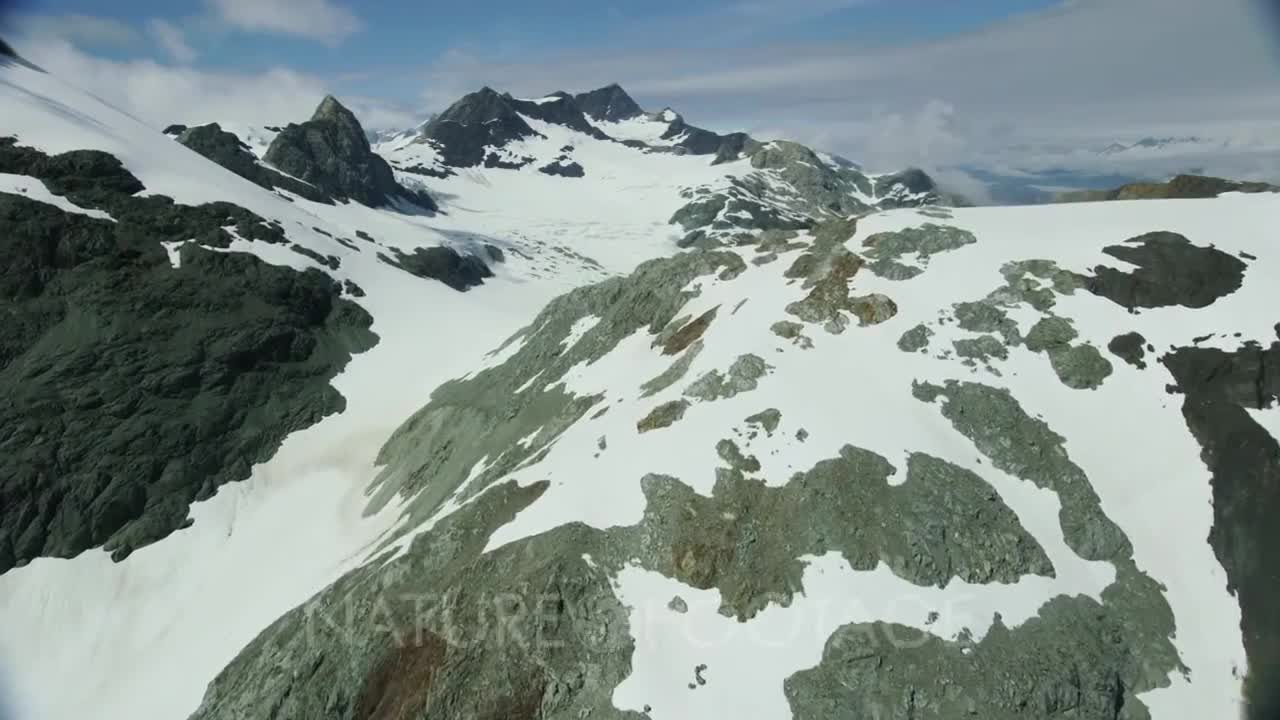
(886, 82)
(383, 36)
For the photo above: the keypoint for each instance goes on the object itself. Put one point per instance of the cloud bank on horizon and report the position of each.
(1025, 90)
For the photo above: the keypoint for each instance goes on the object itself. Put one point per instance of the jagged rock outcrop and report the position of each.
(561, 111)
(698, 141)
(480, 120)
(610, 103)
(331, 152)
(1181, 186)
(459, 271)
(231, 153)
(906, 188)
(132, 387)
(563, 167)
(823, 188)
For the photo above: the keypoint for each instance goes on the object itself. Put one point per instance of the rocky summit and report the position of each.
(331, 152)
(551, 407)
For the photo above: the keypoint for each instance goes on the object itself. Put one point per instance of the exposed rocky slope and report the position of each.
(331, 152)
(231, 153)
(658, 451)
(1181, 186)
(134, 387)
(610, 103)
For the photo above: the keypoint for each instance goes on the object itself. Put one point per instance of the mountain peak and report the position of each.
(610, 103)
(330, 109)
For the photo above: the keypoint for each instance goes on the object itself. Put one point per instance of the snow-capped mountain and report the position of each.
(558, 408)
(1156, 144)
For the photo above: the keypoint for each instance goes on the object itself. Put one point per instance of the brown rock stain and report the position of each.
(691, 332)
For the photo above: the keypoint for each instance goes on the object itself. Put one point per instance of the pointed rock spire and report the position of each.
(610, 103)
(331, 151)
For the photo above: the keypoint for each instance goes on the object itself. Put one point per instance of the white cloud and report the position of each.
(84, 30)
(160, 94)
(171, 39)
(322, 20)
(1084, 72)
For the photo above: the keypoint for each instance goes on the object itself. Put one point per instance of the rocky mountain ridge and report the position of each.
(1179, 187)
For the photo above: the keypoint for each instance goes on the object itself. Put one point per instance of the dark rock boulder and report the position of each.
(479, 120)
(694, 140)
(909, 187)
(1170, 271)
(610, 103)
(231, 153)
(563, 167)
(132, 387)
(1219, 389)
(175, 129)
(331, 152)
(459, 271)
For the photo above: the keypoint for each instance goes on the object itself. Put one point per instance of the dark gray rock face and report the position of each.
(480, 119)
(698, 141)
(458, 271)
(1171, 271)
(1129, 347)
(563, 167)
(134, 388)
(231, 153)
(331, 152)
(175, 129)
(898, 189)
(561, 111)
(1244, 460)
(610, 103)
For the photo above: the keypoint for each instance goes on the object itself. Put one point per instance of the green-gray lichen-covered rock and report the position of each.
(1077, 658)
(886, 250)
(822, 188)
(980, 348)
(1026, 447)
(132, 387)
(664, 415)
(527, 632)
(481, 418)
(915, 339)
(534, 630)
(743, 376)
(1080, 366)
(331, 152)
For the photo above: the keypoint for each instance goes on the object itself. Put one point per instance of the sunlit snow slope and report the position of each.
(124, 630)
